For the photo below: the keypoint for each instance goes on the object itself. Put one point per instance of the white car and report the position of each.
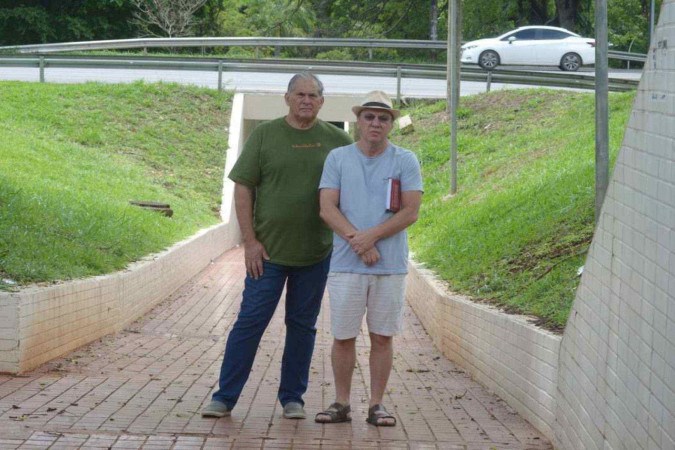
(533, 45)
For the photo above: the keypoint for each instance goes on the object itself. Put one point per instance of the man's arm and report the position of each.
(254, 252)
(364, 240)
(329, 200)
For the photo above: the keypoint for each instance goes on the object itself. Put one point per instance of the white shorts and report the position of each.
(352, 293)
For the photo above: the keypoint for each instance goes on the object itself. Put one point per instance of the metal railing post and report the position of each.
(42, 69)
(220, 76)
(629, 47)
(601, 107)
(489, 81)
(398, 85)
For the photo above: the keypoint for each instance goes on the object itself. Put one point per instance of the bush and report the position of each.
(341, 54)
(25, 25)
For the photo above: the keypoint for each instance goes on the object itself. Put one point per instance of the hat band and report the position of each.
(376, 104)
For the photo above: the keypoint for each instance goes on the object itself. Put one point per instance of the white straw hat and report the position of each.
(376, 100)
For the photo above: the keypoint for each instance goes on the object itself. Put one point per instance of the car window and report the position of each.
(522, 35)
(552, 34)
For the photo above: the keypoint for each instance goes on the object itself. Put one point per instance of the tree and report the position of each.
(433, 21)
(280, 18)
(41, 21)
(494, 17)
(567, 13)
(208, 18)
(488, 18)
(170, 18)
(628, 23)
(25, 25)
(534, 12)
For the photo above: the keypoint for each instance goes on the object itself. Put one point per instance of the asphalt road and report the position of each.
(262, 81)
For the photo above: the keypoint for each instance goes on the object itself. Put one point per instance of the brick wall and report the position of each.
(616, 385)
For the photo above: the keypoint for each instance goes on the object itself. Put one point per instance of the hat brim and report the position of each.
(394, 112)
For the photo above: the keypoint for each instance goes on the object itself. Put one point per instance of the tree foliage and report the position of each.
(40, 21)
(166, 18)
(630, 24)
(36, 21)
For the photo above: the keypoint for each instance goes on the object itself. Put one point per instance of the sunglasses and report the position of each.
(383, 118)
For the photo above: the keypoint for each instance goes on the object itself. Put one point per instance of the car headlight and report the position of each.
(469, 47)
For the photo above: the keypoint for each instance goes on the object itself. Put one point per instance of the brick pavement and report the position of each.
(144, 387)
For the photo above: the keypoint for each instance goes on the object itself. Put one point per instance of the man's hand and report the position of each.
(361, 242)
(370, 257)
(254, 254)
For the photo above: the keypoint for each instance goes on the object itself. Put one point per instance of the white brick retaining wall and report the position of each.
(41, 323)
(504, 352)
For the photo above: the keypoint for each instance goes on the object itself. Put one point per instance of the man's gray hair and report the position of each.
(305, 76)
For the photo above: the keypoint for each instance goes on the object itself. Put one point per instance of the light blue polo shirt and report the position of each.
(363, 182)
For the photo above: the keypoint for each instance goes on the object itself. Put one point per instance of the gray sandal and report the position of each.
(336, 413)
(377, 413)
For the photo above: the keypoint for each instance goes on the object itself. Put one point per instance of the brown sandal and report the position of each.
(336, 413)
(376, 414)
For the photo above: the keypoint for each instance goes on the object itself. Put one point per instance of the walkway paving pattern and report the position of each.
(144, 387)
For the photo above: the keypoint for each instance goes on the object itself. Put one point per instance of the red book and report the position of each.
(393, 195)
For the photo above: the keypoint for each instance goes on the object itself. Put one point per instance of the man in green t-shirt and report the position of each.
(285, 243)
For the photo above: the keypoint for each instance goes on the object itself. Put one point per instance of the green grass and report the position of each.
(73, 156)
(521, 223)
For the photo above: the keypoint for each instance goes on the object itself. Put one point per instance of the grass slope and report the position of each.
(73, 156)
(519, 228)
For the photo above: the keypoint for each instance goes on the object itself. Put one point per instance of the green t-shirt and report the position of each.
(283, 165)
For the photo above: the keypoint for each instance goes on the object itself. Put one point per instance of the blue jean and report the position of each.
(304, 291)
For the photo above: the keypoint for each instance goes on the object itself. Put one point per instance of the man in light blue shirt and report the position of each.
(370, 192)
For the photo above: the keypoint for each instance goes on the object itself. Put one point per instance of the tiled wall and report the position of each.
(616, 384)
(39, 324)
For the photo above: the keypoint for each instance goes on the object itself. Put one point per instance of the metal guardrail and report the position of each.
(225, 42)
(118, 44)
(627, 56)
(398, 71)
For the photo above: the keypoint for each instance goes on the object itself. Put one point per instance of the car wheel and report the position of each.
(488, 60)
(570, 62)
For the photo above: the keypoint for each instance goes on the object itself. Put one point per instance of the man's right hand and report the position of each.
(370, 257)
(254, 254)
